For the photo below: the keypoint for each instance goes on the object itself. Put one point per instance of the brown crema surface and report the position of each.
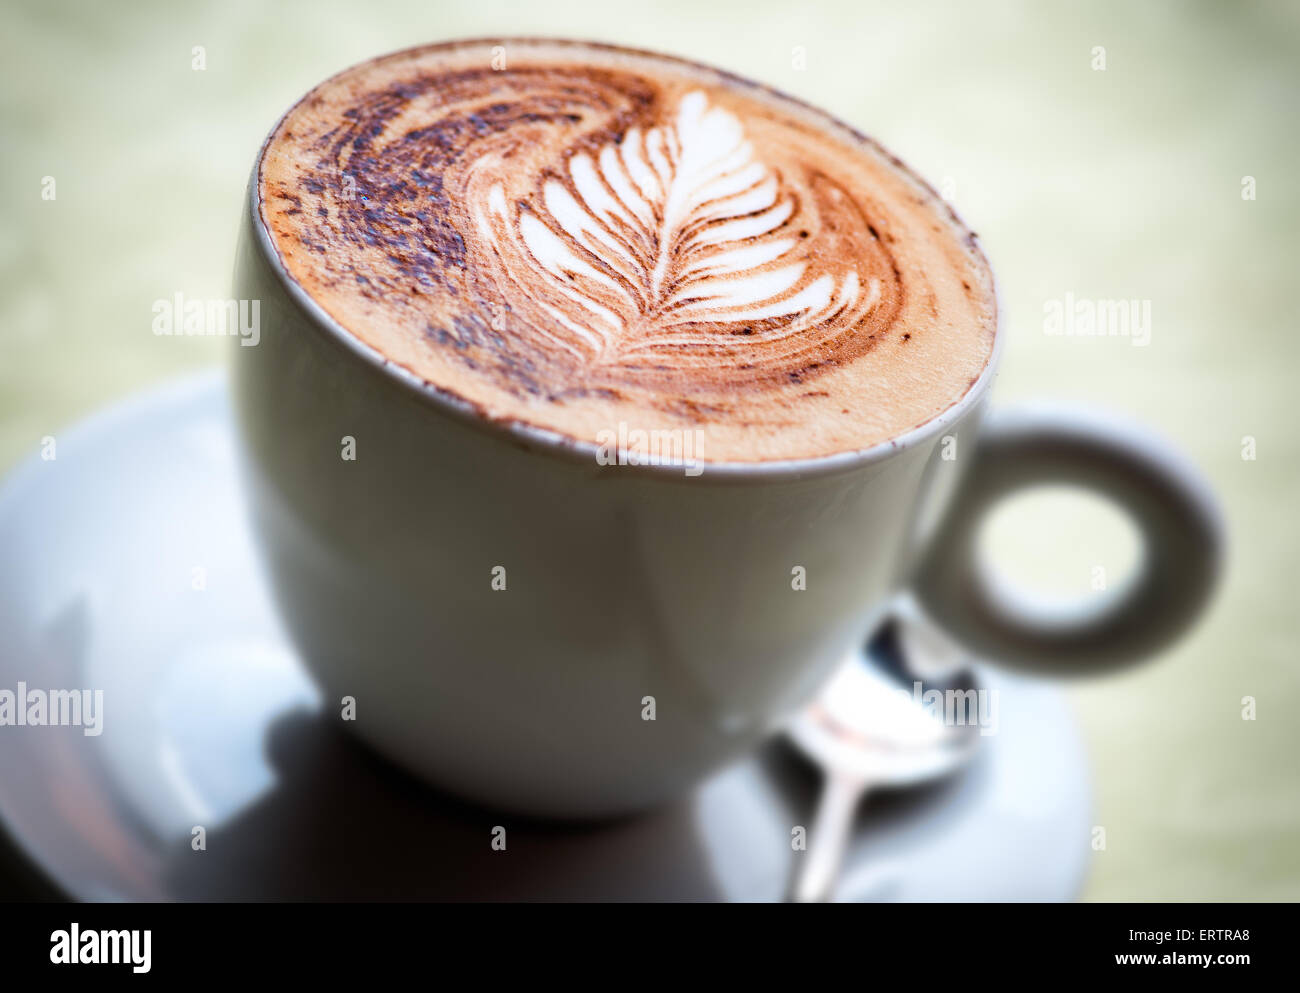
(577, 237)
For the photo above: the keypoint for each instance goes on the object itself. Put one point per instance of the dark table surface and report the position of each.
(19, 879)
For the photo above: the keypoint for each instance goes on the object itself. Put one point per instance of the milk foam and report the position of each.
(595, 237)
(655, 234)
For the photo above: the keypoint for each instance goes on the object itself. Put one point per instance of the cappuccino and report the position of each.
(578, 237)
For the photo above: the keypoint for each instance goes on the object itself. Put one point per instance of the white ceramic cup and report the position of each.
(628, 588)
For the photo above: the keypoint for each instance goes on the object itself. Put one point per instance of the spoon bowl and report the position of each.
(905, 710)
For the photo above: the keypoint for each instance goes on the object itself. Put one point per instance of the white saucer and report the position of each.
(209, 720)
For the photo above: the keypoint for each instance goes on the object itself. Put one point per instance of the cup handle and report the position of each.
(1169, 501)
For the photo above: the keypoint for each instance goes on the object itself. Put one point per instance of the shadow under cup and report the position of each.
(524, 626)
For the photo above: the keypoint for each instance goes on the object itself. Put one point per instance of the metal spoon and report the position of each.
(872, 726)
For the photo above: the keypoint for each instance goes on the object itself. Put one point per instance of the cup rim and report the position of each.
(535, 437)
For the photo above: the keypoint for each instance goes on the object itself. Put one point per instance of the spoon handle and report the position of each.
(820, 865)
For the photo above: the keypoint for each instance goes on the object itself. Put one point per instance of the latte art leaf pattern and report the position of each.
(592, 237)
(595, 236)
(671, 236)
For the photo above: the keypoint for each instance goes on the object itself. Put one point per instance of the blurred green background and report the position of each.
(1124, 182)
